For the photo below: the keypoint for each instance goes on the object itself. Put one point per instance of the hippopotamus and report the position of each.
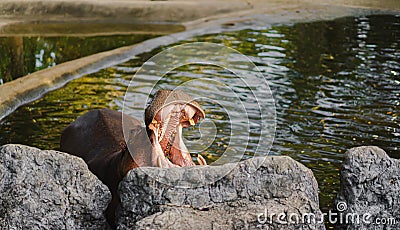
(98, 138)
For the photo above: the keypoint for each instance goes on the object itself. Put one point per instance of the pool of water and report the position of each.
(336, 85)
(22, 55)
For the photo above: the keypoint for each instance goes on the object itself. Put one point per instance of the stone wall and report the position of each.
(369, 190)
(244, 198)
(49, 190)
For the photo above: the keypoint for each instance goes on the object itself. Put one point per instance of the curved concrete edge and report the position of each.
(133, 10)
(35, 85)
(158, 11)
(189, 12)
(302, 10)
(32, 87)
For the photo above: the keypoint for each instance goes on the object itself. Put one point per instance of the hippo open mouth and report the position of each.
(168, 114)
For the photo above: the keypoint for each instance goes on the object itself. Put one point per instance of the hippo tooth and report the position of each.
(191, 121)
(201, 160)
(159, 162)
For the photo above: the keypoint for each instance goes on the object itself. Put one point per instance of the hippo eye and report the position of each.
(199, 118)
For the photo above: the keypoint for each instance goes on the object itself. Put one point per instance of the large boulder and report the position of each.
(48, 190)
(369, 196)
(241, 196)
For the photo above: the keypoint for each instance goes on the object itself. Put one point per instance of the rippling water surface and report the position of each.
(336, 85)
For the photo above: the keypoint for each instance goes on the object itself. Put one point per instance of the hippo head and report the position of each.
(165, 117)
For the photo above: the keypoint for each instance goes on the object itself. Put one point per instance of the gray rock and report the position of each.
(369, 190)
(48, 190)
(240, 198)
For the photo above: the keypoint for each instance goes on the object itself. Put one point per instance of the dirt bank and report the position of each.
(160, 12)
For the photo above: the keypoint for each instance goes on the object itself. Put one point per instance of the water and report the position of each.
(336, 85)
(22, 55)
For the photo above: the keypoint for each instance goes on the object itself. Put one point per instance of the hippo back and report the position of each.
(97, 131)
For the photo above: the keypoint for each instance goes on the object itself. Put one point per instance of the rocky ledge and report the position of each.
(369, 196)
(48, 190)
(54, 190)
(258, 193)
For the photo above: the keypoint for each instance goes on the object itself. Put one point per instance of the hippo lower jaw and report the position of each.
(168, 148)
